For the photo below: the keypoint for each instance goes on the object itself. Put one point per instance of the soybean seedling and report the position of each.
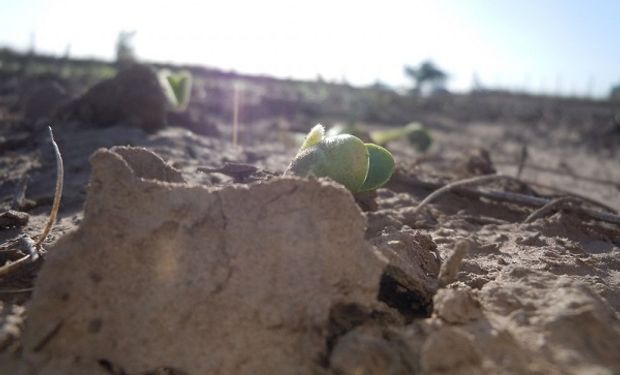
(177, 87)
(418, 137)
(345, 159)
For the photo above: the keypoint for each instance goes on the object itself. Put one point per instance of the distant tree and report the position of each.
(427, 77)
(614, 93)
(125, 53)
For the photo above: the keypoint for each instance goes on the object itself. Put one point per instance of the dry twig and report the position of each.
(10, 267)
(57, 193)
(522, 160)
(25, 244)
(500, 196)
(551, 206)
(570, 193)
(16, 291)
(451, 186)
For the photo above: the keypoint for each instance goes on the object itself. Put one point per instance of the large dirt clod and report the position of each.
(237, 280)
(133, 97)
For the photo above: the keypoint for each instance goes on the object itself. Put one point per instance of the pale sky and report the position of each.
(558, 46)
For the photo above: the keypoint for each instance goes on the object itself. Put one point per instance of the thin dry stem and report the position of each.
(447, 188)
(16, 291)
(499, 196)
(57, 193)
(522, 160)
(551, 206)
(10, 267)
(570, 193)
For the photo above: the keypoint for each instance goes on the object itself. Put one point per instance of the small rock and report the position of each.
(11, 319)
(456, 305)
(410, 278)
(448, 349)
(365, 352)
(530, 239)
(450, 268)
(12, 219)
(478, 162)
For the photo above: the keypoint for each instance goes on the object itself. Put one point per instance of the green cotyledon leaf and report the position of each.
(380, 167)
(177, 87)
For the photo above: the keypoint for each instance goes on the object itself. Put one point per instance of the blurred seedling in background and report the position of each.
(415, 133)
(417, 136)
(177, 87)
(345, 159)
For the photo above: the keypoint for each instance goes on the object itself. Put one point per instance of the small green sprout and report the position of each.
(415, 133)
(177, 87)
(345, 159)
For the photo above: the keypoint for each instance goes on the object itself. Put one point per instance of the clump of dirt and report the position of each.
(456, 304)
(132, 97)
(410, 279)
(233, 280)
